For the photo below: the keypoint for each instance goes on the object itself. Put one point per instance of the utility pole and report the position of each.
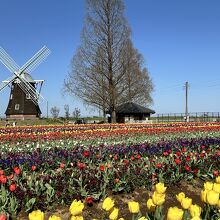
(47, 109)
(187, 86)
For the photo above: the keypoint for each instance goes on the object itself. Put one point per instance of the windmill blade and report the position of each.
(6, 82)
(39, 57)
(27, 88)
(7, 61)
(38, 62)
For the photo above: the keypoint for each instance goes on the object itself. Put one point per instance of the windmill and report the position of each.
(25, 92)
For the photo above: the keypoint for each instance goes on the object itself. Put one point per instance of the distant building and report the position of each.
(130, 113)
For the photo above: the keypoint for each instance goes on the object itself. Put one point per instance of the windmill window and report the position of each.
(17, 107)
(11, 96)
(28, 96)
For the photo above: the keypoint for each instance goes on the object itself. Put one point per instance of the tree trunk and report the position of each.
(104, 115)
(113, 117)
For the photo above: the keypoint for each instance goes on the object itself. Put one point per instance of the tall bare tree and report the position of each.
(136, 85)
(100, 68)
(55, 112)
(76, 113)
(67, 111)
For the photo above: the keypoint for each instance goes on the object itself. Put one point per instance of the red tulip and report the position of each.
(115, 157)
(202, 155)
(17, 170)
(165, 153)
(2, 172)
(89, 200)
(195, 171)
(12, 187)
(159, 165)
(86, 153)
(178, 153)
(102, 167)
(3, 179)
(188, 159)
(177, 161)
(203, 147)
(3, 216)
(215, 172)
(138, 156)
(34, 167)
(187, 168)
(184, 149)
(62, 165)
(81, 165)
(126, 162)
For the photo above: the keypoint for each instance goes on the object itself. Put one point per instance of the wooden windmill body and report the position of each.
(25, 91)
(20, 105)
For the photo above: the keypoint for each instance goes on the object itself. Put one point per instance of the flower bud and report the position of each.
(195, 210)
(175, 213)
(180, 196)
(133, 207)
(158, 199)
(108, 204)
(160, 188)
(114, 214)
(186, 202)
(212, 197)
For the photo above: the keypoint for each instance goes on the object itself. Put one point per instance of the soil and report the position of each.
(191, 189)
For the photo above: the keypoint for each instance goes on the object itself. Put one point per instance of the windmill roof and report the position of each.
(27, 77)
(133, 108)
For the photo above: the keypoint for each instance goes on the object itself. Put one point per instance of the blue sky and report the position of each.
(179, 39)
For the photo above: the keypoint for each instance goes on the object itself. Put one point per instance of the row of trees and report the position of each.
(107, 70)
(55, 112)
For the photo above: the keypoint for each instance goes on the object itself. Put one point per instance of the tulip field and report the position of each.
(110, 171)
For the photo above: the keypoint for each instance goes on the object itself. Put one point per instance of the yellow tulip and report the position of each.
(121, 219)
(133, 207)
(216, 187)
(158, 199)
(208, 185)
(76, 217)
(160, 188)
(196, 218)
(186, 202)
(217, 180)
(36, 215)
(142, 218)
(218, 204)
(212, 197)
(76, 207)
(175, 213)
(150, 205)
(108, 204)
(114, 214)
(195, 210)
(54, 217)
(180, 196)
(203, 195)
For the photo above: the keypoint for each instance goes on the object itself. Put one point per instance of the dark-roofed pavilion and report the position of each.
(131, 112)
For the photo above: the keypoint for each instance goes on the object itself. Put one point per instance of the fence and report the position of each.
(193, 117)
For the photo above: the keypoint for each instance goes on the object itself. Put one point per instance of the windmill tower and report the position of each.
(25, 91)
